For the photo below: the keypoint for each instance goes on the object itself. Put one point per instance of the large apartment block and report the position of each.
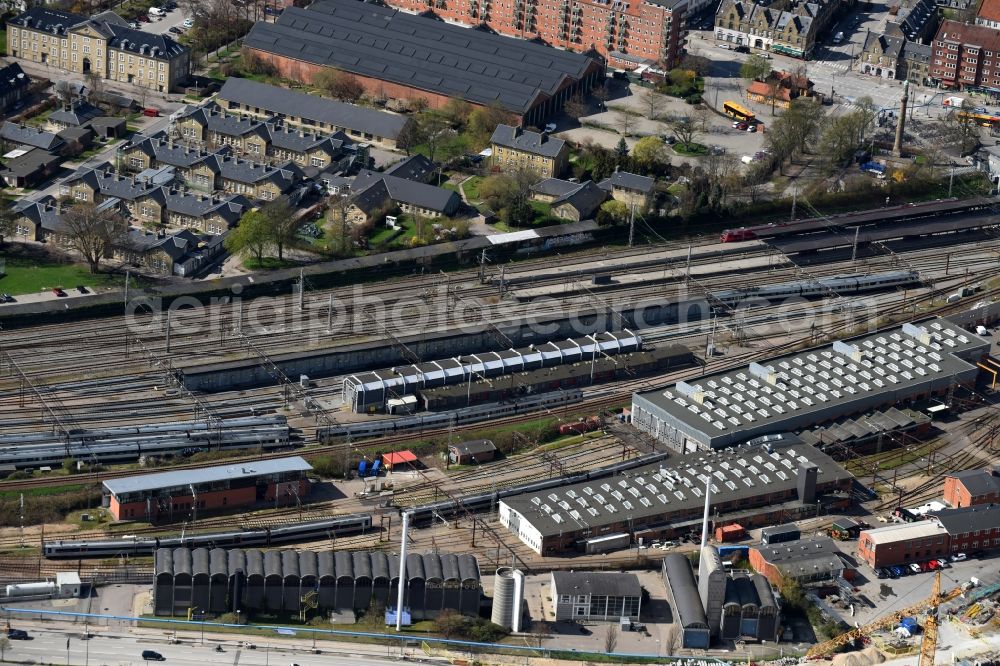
(794, 31)
(104, 44)
(966, 55)
(628, 34)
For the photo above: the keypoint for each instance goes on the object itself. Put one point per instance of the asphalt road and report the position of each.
(50, 646)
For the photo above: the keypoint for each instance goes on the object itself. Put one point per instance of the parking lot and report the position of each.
(159, 25)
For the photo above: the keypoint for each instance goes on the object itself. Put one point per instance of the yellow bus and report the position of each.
(738, 112)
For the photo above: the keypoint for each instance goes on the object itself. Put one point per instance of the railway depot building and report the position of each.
(970, 529)
(395, 55)
(756, 484)
(971, 487)
(222, 581)
(172, 496)
(802, 390)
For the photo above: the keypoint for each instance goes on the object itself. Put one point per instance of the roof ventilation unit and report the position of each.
(918, 333)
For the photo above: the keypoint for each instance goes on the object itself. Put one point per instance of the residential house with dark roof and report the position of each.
(630, 188)
(415, 167)
(310, 112)
(515, 149)
(894, 57)
(14, 86)
(595, 596)
(103, 44)
(913, 20)
(33, 219)
(100, 183)
(550, 189)
(397, 55)
(31, 137)
(181, 253)
(256, 180)
(29, 168)
(580, 204)
(972, 487)
(268, 141)
(971, 529)
(374, 194)
(77, 114)
(208, 214)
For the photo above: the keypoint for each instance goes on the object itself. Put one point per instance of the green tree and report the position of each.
(69, 465)
(621, 154)
(518, 212)
(250, 238)
(841, 138)
(282, 223)
(434, 129)
(612, 212)
(755, 68)
(497, 191)
(649, 153)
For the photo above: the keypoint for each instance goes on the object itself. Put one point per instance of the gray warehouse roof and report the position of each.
(596, 583)
(150, 482)
(688, 611)
(289, 103)
(798, 390)
(804, 556)
(416, 51)
(677, 484)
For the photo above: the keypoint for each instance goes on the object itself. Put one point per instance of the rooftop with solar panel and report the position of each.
(801, 390)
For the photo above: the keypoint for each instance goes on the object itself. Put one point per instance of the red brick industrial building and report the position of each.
(396, 55)
(972, 487)
(170, 496)
(966, 55)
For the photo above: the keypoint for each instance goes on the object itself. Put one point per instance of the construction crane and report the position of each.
(929, 645)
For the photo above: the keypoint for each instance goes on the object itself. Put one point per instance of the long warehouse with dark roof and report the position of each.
(811, 387)
(755, 484)
(402, 56)
(221, 581)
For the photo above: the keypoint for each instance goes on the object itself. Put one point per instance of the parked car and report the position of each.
(740, 126)
(915, 568)
(6, 298)
(273, 11)
(156, 11)
(751, 128)
(177, 31)
(188, 22)
(152, 655)
(932, 565)
(83, 290)
(142, 18)
(742, 49)
(58, 291)
(943, 563)
(551, 127)
(894, 572)
(134, 25)
(725, 46)
(900, 571)
(881, 573)
(18, 635)
(958, 557)
(151, 111)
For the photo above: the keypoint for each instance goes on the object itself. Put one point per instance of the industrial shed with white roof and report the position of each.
(803, 389)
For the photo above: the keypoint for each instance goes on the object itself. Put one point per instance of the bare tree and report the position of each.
(282, 223)
(93, 233)
(601, 94)
(624, 121)
(339, 85)
(433, 130)
(7, 219)
(688, 128)
(65, 93)
(653, 104)
(673, 640)
(610, 638)
(576, 106)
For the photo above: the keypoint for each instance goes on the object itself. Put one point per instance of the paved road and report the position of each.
(49, 645)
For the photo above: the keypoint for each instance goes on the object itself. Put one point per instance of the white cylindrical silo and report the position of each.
(30, 589)
(508, 594)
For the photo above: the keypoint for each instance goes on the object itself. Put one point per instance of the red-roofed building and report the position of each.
(989, 14)
(966, 55)
(784, 86)
(398, 458)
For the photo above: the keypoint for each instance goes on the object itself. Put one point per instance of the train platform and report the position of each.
(675, 257)
(829, 240)
(673, 272)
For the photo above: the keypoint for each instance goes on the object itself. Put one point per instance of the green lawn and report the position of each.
(692, 150)
(471, 187)
(26, 276)
(542, 208)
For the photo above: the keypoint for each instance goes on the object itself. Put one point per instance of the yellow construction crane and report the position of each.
(929, 645)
